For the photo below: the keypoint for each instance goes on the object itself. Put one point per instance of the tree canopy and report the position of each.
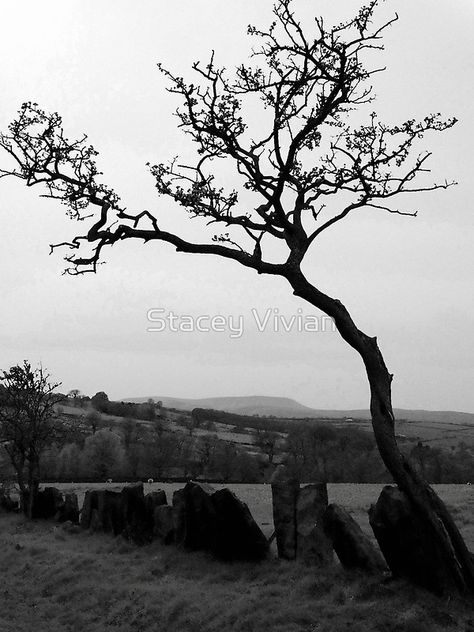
(307, 168)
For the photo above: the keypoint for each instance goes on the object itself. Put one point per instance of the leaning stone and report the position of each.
(237, 536)
(312, 544)
(405, 542)
(353, 547)
(285, 497)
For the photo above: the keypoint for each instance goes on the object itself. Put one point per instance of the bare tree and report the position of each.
(28, 424)
(306, 170)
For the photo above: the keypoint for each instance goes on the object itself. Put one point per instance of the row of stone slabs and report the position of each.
(307, 527)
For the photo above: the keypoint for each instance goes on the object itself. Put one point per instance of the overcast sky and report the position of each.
(408, 281)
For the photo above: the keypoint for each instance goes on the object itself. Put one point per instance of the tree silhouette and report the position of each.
(305, 171)
(29, 422)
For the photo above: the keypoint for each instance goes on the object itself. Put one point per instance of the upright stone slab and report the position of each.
(285, 497)
(98, 510)
(138, 524)
(353, 548)
(110, 511)
(237, 536)
(405, 542)
(101, 511)
(199, 516)
(179, 516)
(312, 544)
(86, 511)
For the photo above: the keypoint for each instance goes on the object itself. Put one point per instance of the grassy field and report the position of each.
(54, 581)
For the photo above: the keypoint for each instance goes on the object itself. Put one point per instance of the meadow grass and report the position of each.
(53, 580)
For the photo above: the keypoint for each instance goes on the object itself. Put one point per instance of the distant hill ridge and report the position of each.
(286, 407)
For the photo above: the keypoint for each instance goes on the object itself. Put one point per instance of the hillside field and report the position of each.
(438, 432)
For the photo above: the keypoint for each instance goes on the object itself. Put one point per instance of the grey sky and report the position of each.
(409, 281)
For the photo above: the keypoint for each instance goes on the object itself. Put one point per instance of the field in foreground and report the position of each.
(54, 580)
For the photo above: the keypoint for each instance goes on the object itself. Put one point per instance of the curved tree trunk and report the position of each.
(458, 570)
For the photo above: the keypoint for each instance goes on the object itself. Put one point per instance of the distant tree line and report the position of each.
(312, 451)
(317, 451)
(273, 424)
(334, 455)
(94, 447)
(130, 451)
(146, 411)
(438, 465)
(100, 402)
